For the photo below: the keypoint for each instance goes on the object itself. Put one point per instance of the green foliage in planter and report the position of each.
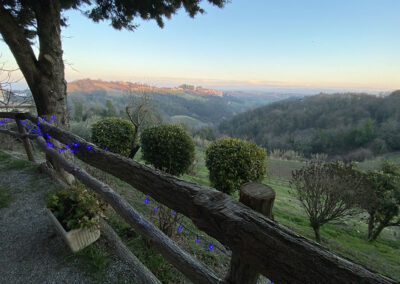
(114, 133)
(168, 147)
(232, 162)
(75, 208)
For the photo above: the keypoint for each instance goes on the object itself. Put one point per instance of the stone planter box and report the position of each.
(76, 239)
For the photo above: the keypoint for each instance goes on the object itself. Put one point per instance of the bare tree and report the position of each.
(140, 110)
(8, 99)
(327, 191)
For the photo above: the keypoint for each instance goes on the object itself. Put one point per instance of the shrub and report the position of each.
(232, 162)
(116, 134)
(168, 147)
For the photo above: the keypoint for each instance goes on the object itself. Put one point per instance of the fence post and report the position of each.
(260, 198)
(27, 143)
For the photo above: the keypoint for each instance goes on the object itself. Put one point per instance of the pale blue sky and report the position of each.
(346, 44)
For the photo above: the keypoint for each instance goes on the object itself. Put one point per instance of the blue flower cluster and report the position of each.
(181, 227)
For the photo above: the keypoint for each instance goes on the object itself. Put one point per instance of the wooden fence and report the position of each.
(267, 247)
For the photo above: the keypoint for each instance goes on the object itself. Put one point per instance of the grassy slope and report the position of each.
(346, 237)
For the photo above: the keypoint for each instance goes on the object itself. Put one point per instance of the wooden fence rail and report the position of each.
(270, 248)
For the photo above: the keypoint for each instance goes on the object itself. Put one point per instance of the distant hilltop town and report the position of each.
(88, 86)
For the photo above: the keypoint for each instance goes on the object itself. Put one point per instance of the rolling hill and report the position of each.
(206, 106)
(350, 126)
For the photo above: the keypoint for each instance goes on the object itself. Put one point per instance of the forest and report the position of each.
(345, 126)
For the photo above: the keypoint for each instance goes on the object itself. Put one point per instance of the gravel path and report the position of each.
(30, 249)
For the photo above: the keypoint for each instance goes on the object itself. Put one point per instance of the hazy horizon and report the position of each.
(297, 45)
(229, 86)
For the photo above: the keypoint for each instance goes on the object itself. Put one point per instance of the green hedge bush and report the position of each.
(232, 162)
(113, 133)
(168, 147)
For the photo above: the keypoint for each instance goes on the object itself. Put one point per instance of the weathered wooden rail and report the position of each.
(269, 248)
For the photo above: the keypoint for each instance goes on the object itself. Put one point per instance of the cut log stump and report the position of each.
(260, 198)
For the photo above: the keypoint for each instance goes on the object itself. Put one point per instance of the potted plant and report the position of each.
(75, 214)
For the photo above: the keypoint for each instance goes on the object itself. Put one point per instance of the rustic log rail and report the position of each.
(270, 248)
(184, 262)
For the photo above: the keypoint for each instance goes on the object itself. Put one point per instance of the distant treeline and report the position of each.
(344, 126)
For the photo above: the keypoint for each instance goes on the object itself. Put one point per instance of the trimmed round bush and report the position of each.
(168, 147)
(232, 162)
(114, 133)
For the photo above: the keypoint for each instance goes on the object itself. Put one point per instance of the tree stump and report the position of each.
(260, 198)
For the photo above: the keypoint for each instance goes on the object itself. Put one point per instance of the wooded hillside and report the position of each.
(349, 126)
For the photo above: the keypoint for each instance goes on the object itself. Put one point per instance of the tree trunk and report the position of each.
(51, 86)
(44, 75)
(135, 145)
(317, 233)
(375, 233)
(370, 224)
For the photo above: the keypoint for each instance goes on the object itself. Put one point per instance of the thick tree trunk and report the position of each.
(51, 97)
(44, 75)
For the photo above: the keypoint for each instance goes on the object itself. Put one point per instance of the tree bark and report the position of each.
(317, 234)
(52, 87)
(44, 75)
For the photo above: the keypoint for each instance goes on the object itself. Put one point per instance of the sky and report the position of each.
(249, 44)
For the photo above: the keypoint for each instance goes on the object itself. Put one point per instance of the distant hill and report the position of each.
(350, 126)
(89, 86)
(207, 106)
